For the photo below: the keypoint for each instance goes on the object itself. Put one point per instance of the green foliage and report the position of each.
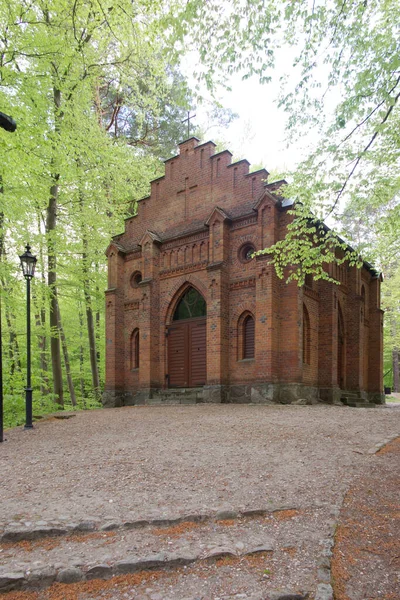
(60, 63)
(343, 84)
(99, 100)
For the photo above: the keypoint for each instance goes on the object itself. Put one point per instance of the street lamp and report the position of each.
(28, 263)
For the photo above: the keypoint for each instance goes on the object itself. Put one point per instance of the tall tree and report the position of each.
(54, 58)
(344, 83)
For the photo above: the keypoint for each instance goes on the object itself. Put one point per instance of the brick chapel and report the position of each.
(192, 315)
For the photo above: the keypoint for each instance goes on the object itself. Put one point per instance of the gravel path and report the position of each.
(114, 466)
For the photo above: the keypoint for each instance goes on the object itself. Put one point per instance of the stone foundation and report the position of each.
(258, 393)
(115, 399)
(270, 393)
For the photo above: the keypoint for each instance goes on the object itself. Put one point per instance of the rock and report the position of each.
(266, 547)
(36, 534)
(42, 578)
(288, 596)
(165, 522)
(175, 559)
(69, 575)
(262, 395)
(324, 592)
(17, 535)
(239, 546)
(223, 515)
(195, 518)
(324, 562)
(254, 512)
(110, 526)
(220, 553)
(86, 526)
(11, 581)
(136, 524)
(99, 572)
(303, 402)
(139, 564)
(324, 575)
(14, 535)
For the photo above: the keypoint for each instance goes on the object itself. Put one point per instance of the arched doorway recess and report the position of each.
(187, 355)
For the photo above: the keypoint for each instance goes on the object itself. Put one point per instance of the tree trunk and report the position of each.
(40, 318)
(395, 363)
(89, 316)
(13, 349)
(90, 323)
(66, 361)
(51, 221)
(81, 358)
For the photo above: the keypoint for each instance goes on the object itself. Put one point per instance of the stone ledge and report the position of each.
(11, 533)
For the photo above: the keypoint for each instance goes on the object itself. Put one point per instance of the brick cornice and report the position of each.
(216, 266)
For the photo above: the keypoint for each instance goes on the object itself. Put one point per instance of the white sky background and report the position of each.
(258, 134)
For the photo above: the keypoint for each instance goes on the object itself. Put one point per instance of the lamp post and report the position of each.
(28, 263)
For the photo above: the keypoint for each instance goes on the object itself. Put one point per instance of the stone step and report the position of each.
(352, 404)
(177, 396)
(351, 397)
(157, 400)
(108, 553)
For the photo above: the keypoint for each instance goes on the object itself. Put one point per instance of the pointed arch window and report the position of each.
(248, 337)
(134, 349)
(191, 305)
(306, 337)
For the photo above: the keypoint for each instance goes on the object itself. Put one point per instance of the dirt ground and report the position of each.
(297, 463)
(366, 559)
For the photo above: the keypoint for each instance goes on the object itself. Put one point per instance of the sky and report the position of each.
(258, 133)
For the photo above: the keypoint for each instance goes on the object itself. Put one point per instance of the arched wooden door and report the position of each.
(187, 354)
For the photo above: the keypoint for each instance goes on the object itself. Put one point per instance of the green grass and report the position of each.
(14, 407)
(392, 399)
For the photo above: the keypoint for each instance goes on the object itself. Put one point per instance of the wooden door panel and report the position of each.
(177, 356)
(187, 354)
(197, 354)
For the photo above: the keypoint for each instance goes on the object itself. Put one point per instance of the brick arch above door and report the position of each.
(169, 305)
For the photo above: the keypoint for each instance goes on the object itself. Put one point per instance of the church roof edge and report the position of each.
(275, 184)
(205, 144)
(171, 158)
(238, 162)
(192, 137)
(258, 171)
(222, 152)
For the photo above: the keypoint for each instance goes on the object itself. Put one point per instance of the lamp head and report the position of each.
(28, 263)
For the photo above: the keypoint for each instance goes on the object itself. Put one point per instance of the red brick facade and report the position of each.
(322, 340)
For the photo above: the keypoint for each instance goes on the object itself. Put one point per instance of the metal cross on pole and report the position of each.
(188, 118)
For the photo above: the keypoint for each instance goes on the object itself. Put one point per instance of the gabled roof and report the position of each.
(221, 212)
(113, 244)
(153, 236)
